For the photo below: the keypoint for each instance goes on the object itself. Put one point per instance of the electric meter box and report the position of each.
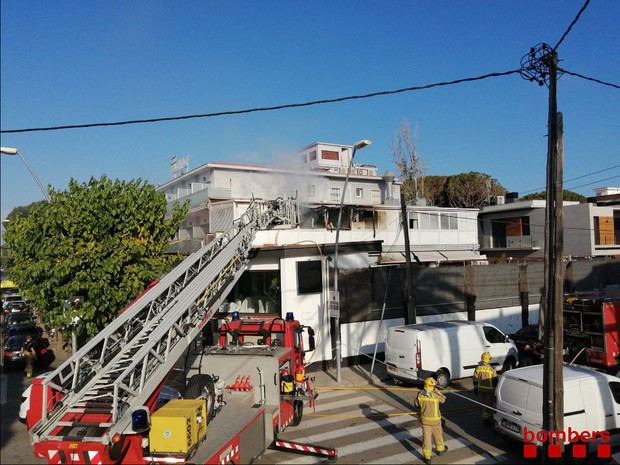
(178, 426)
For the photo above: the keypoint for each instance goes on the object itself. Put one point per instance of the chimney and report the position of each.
(388, 177)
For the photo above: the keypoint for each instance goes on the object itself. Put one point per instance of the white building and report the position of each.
(289, 271)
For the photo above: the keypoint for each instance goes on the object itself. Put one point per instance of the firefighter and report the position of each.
(430, 417)
(30, 355)
(485, 380)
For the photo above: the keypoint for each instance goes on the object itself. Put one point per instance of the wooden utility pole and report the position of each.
(553, 399)
(410, 311)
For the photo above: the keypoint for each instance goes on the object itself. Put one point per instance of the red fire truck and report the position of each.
(99, 405)
(592, 321)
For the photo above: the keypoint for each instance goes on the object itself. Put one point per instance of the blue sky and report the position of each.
(73, 62)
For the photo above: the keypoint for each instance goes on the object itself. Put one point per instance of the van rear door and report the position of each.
(400, 351)
(512, 397)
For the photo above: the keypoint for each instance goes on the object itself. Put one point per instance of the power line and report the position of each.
(573, 179)
(616, 86)
(595, 182)
(585, 5)
(252, 110)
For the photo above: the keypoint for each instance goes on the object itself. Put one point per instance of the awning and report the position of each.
(432, 256)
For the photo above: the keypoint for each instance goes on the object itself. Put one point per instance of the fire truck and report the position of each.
(99, 405)
(592, 323)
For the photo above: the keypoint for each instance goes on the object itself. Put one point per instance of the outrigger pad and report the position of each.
(305, 449)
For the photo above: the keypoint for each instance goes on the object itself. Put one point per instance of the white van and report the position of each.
(591, 402)
(446, 350)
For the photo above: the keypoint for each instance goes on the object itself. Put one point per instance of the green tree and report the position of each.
(472, 190)
(568, 196)
(103, 240)
(23, 211)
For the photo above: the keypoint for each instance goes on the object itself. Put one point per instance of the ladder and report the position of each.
(121, 367)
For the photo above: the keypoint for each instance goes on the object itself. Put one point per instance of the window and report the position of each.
(309, 277)
(429, 220)
(313, 155)
(414, 222)
(334, 193)
(493, 335)
(449, 221)
(311, 190)
(303, 159)
(615, 391)
(359, 192)
(330, 155)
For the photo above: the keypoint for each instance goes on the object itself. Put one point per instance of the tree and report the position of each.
(410, 167)
(102, 240)
(566, 195)
(435, 190)
(472, 190)
(467, 190)
(23, 211)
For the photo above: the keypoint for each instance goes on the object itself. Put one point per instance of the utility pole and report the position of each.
(410, 311)
(541, 65)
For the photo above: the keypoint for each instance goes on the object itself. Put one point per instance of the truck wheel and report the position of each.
(443, 378)
(202, 387)
(509, 364)
(298, 412)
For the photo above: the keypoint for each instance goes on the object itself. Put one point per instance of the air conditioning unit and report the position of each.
(501, 200)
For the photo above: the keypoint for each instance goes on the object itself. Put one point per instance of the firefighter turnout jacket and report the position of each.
(485, 377)
(429, 401)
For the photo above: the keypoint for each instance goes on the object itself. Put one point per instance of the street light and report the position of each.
(14, 151)
(358, 145)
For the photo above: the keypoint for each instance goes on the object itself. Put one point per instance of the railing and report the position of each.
(200, 198)
(510, 242)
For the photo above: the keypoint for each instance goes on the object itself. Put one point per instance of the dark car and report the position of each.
(32, 330)
(18, 306)
(13, 351)
(528, 345)
(14, 320)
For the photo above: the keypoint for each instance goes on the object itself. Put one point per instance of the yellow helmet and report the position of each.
(485, 357)
(430, 383)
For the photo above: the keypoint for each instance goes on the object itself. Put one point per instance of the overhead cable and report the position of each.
(589, 78)
(585, 5)
(573, 179)
(252, 110)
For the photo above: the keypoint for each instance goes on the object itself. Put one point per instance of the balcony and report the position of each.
(199, 199)
(509, 243)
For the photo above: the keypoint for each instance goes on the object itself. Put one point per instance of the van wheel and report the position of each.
(509, 364)
(443, 378)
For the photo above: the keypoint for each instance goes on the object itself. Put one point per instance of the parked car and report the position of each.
(591, 402)
(14, 320)
(13, 351)
(16, 306)
(166, 394)
(33, 331)
(11, 298)
(446, 350)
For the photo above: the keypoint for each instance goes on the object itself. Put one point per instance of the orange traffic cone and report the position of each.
(247, 386)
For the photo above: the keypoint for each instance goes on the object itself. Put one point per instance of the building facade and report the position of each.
(517, 229)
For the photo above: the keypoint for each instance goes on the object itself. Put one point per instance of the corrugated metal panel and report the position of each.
(221, 215)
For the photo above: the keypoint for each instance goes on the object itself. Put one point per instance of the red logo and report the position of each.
(557, 438)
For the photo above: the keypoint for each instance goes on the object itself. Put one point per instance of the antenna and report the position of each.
(178, 166)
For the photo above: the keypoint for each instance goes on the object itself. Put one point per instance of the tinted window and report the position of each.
(493, 335)
(309, 279)
(615, 390)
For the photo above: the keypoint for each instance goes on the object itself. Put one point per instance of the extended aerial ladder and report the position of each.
(121, 367)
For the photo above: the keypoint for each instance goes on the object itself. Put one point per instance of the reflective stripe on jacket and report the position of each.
(485, 376)
(429, 406)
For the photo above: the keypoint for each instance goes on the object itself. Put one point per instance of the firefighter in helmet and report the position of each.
(485, 380)
(428, 400)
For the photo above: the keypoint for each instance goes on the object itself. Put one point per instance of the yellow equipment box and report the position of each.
(178, 426)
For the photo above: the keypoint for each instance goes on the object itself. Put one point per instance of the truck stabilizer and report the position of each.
(305, 448)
